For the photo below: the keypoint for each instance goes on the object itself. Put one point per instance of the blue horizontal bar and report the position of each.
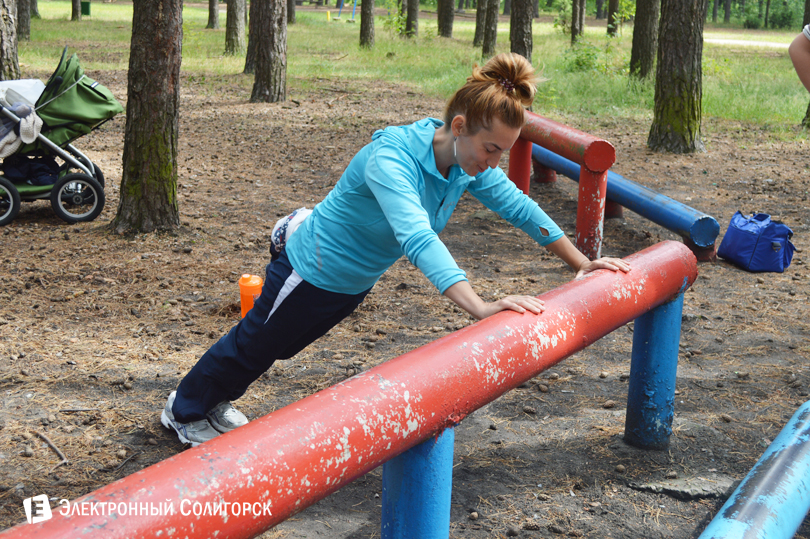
(688, 222)
(774, 498)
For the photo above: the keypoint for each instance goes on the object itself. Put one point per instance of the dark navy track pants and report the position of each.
(289, 314)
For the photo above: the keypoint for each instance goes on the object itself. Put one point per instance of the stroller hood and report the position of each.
(73, 104)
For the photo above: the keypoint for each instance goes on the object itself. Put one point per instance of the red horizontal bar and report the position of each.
(295, 456)
(596, 154)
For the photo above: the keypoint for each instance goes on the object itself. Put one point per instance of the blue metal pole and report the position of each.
(416, 490)
(653, 368)
(340, 9)
(774, 498)
(688, 222)
(354, 8)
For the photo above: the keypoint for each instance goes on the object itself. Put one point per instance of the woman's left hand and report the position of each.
(613, 264)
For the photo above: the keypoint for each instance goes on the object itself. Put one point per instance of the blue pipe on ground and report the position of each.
(774, 498)
(691, 224)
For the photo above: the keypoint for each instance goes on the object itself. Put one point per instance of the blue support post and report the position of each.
(416, 490)
(653, 368)
(774, 498)
(354, 8)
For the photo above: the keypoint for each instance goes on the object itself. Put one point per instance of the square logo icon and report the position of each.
(37, 509)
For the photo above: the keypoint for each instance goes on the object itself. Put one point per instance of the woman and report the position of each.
(394, 198)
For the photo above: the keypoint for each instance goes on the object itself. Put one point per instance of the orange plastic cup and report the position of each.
(250, 287)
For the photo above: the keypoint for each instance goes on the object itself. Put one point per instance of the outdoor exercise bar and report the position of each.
(698, 230)
(295, 456)
(594, 154)
(774, 498)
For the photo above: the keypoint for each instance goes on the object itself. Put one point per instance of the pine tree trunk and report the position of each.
(9, 62)
(576, 20)
(767, 13)
(23, 20)
(213, 15)
(490, 29)
(460, 8)
(714, 10)
(290, 12)
(253, 36)
(412, 19)
(270, 83)
(678, 78)
(521, 28)
(806, 18)
(600, 9)
(446, 16)
(613, 17)
(480, 22)
(76, 10)
(367, 23)
(235, 27)
(727, 10)
(148, 194)
(645, 38)
(507, 7)
(35, 10)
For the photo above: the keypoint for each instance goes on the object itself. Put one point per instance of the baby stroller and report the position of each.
(39, 123)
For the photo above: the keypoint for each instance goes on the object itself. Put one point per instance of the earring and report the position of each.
(454, 149)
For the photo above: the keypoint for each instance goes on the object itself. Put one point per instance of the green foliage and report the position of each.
(782, 16)
(394, 22)
(562, 10)
(589, 81)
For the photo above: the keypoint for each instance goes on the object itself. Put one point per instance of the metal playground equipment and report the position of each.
(402, 414)
(558, 148)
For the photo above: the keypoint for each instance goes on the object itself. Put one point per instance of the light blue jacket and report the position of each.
(392, 200)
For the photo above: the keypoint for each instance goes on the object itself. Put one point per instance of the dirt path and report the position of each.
(96, 329)
(744, 43)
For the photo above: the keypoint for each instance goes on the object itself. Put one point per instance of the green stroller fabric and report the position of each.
(72, 105)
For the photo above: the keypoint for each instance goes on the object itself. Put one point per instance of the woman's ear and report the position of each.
(458, 125)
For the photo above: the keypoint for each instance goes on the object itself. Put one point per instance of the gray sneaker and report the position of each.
(224, 417)
(194, 433)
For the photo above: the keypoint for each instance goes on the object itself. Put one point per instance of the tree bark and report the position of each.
(520, 25)
(235, 27)
(714, 10)
(645, 38)
(806, 18)
(213, 14)
(412, 19)
(490, 29)
(148, 194)
(35, 10)
(9, 62)
(367, 23)
(253, 36)
(576, 20)
(76, 10)
(445, 16)
(600, 9)
(480, 22)
(290, 12)
(270, 82)
(678, 78)
(767, 13)
(23, 20)
(507, 7)
(727, 10)
(613, 17)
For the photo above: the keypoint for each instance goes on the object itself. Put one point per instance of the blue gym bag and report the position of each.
(757, 244)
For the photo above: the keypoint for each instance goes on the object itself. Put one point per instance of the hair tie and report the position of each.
(508, 85)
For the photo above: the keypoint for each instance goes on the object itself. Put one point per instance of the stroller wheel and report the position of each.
(77, 197)
(9, 201)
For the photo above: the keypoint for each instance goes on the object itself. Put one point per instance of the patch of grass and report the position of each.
(748, 84)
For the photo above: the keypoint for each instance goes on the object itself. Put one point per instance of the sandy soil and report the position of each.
(96, 329)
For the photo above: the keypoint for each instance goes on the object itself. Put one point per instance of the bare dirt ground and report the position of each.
(96, 329)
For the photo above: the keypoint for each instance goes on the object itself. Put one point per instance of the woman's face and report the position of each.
(478, 152)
